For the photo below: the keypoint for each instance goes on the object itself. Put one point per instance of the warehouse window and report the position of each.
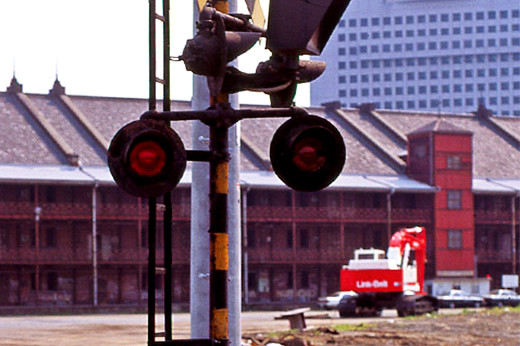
(453, 162)
(289, 239)
(252, 281)
(251, 238)
(52, 281)
(304, 239)
(289, 279)
(50, 238)
(305, 282)
(454, 239)
(454, 199)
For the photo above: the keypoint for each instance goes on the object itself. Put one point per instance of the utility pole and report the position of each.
(199, 268)
(234, 224)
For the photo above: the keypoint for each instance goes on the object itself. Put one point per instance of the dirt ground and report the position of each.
(451, 327)
(484, 327)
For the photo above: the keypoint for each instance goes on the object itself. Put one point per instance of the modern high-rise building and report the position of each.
(431, 55)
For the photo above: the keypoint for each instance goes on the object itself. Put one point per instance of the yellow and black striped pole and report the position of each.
(219, 256)
(218, 232)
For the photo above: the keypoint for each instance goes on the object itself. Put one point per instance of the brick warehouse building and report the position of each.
(456, 174)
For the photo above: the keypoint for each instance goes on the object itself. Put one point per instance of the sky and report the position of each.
(100, 48)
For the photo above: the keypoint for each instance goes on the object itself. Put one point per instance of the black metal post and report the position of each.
(151, 269)
(151, 202)
(168, 265)
(168, 196)
(151, 55)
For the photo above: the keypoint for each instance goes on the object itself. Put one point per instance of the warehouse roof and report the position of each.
(53, 135)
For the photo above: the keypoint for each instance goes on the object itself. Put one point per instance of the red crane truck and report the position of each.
(392, 281)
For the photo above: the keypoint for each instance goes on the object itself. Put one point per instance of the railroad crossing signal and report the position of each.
(147, 158)
(307, 153)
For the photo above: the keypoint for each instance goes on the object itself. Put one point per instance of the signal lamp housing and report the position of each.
(147, 158)
(307, 153)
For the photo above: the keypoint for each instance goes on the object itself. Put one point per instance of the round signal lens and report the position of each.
(147, 158)
(307, 155)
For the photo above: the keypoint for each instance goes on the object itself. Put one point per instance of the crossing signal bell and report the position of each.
(307, 153)
(147, 158)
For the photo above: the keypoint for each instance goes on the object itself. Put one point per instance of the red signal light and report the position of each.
(307, 153)
(147, 158)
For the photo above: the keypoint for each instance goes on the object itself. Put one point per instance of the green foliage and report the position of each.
(350, 327)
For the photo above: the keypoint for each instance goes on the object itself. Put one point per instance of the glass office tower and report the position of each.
(429, 55)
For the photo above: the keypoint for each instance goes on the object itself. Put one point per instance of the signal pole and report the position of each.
(233, 222)
(200, 291)
(218, 231)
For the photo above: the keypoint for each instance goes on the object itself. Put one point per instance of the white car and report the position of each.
(502, 297)
(331, 302)
(460, 299)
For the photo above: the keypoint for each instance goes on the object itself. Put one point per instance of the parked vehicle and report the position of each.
(460, 299)
(502, 297)
(331, 302)
(394, 281)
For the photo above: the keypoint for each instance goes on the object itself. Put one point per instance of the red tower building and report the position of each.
(441, 156)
